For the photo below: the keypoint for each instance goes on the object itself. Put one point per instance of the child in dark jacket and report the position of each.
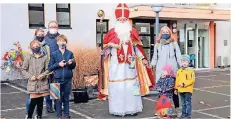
(62, 62)
(165, 86)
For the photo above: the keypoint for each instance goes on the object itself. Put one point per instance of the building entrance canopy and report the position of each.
(181, 13)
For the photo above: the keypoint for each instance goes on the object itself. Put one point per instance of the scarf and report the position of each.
(165, 42)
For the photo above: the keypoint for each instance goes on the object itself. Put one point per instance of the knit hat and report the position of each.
(185, 57)
(169, 69)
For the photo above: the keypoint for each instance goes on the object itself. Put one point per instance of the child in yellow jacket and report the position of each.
(184, 84)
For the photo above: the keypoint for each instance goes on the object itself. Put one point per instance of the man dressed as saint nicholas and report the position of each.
(127, 73)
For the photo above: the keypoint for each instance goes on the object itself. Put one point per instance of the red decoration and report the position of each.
(122, 11)
(163, 102)
(6, 56)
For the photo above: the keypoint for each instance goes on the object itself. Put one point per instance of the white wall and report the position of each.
(15, 23)
(0, 30)
(223, 32)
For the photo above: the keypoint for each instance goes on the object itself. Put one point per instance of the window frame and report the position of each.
(66, 10)
(104, 32)
(35, 8)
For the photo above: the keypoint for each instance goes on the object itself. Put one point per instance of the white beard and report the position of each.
(123, 31)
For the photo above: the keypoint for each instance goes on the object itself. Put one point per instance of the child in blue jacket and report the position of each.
(62, 62)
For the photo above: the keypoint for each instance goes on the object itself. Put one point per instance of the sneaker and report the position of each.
(38, 117)
(26, 117)
(50, 111)
(68, 117)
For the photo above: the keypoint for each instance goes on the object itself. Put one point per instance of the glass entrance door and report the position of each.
(194, 40)
(203, 48)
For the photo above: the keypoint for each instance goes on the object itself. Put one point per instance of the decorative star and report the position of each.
(121, 56)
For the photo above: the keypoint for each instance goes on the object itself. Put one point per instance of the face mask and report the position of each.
(165, 36)
(36, 50)
(52, 31)
(40, 38)
(62, 46)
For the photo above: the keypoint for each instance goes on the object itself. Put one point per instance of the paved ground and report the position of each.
(212, 88)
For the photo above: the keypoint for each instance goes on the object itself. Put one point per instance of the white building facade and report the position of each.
(79, 21)
(15, 22)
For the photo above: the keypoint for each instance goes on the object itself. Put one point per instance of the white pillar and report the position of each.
(186, 39)
(196, 38)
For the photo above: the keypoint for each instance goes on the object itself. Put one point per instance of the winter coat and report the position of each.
(33, 66)
(187, 77)
(165, 86)
(50, 40)
(168, 53)
(62, 73)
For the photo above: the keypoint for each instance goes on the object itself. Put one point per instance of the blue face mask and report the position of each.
(165, 36)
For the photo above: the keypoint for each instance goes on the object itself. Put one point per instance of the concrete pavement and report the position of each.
(211, 99)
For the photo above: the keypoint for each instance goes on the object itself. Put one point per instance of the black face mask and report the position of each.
(40, 38)
(36, 50)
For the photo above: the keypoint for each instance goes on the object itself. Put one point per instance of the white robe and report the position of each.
(121, 96)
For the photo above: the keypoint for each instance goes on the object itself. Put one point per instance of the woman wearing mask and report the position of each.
(50, 40)
(35, 70)
(166, 51)
(39, 36)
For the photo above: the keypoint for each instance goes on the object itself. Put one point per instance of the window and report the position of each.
(225, 42)
(36, 15)
(98, 31)
(63, 15)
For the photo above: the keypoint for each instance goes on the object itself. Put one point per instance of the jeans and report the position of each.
(49, 104)
(65, 89)
(186, 104)
(27, 103)
(36, 102)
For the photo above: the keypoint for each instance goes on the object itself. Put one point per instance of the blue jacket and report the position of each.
(165, 86)
(62, 73)
(50, 40)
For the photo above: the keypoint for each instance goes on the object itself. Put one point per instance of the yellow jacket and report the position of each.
(187, 78)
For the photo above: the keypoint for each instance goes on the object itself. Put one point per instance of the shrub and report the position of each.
(87, 62)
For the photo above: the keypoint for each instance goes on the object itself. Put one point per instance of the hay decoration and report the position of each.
(87, 62)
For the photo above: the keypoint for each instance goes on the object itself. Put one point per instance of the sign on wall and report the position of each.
(182, 36)
(191, 35)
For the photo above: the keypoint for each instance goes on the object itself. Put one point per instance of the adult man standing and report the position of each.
(126, 78)
(50, 40)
